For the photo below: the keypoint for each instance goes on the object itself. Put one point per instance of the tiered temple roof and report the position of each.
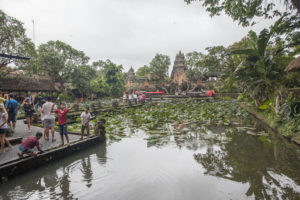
(178, 72)
(131, 75)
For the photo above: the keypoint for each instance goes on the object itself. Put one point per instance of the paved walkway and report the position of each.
(22, 131)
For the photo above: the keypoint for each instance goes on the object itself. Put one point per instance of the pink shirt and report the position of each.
(30, 143)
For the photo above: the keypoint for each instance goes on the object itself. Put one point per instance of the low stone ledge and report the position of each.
(18, 166)
(14, 140)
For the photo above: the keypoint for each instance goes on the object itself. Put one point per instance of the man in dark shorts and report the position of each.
(12, 109)
(62, 122)
(27, 146)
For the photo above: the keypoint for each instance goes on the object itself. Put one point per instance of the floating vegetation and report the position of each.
(182, 121)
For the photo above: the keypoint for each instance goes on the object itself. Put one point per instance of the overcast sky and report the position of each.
(128, 32)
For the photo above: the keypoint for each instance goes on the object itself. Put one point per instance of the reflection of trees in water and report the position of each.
(247, 159)
(262, 162)
(47, 179)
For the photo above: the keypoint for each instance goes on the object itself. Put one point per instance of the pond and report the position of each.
(181, 150)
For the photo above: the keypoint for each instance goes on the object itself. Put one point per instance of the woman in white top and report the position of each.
(3, 128)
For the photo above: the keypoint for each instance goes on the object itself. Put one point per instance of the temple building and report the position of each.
(178, 72)
(130, 78)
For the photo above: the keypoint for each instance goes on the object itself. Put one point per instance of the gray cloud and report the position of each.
(129, 32)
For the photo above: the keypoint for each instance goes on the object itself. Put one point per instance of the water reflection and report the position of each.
(87, 171)
(196, 161)
(247, 159)
(266, 161)
(55, 179)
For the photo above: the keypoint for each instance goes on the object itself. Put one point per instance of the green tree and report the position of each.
(100, 86)
(215, 61)
(110, 81)
(159, 67)
(142, 71)
(81, 78)
(14, 41)
(59, 60)
(194, 72)
(248, 12)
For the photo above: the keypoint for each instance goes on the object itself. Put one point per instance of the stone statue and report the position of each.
(100, 128)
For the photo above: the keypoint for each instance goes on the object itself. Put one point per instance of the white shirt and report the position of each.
(46, 109)
(85, 118)
(42, 114)
(129, 96)
(135, 96)
(2, 114)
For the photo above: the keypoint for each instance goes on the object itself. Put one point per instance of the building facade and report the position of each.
(179, 68)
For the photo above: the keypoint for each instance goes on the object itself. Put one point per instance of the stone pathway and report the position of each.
(22, 131)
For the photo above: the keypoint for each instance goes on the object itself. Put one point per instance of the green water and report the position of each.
(241, 160)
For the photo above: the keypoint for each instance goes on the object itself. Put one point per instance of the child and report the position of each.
(3, 128)
(27, 146)
(62, 122)
(85, 122)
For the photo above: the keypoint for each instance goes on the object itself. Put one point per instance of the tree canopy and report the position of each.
(59, 60)
(14, 41)
(142, 71)
(110, 81)
(249, 12)
(159, 67)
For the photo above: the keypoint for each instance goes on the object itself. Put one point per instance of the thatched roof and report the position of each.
(18, 83)
(293, 66)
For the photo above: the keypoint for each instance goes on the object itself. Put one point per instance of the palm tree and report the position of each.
(258, 73)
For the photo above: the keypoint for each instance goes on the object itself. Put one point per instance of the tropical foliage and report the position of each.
(249, 12)
(159, 67)
(110, 81)
(14, 41)
(142, 71)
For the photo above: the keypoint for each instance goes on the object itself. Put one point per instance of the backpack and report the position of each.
(10, 107)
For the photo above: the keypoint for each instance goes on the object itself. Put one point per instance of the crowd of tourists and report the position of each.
(133, 98)
(46, 110)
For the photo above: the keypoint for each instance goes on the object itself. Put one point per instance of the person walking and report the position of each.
(124, 98)
(85, 122)
(49, 118)
(62, 122)
(28, 109)
(31, 98)
(3, 128)
(135, 98)
(27, 146)
(143, 98)
(12, 109)
(129, 99)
